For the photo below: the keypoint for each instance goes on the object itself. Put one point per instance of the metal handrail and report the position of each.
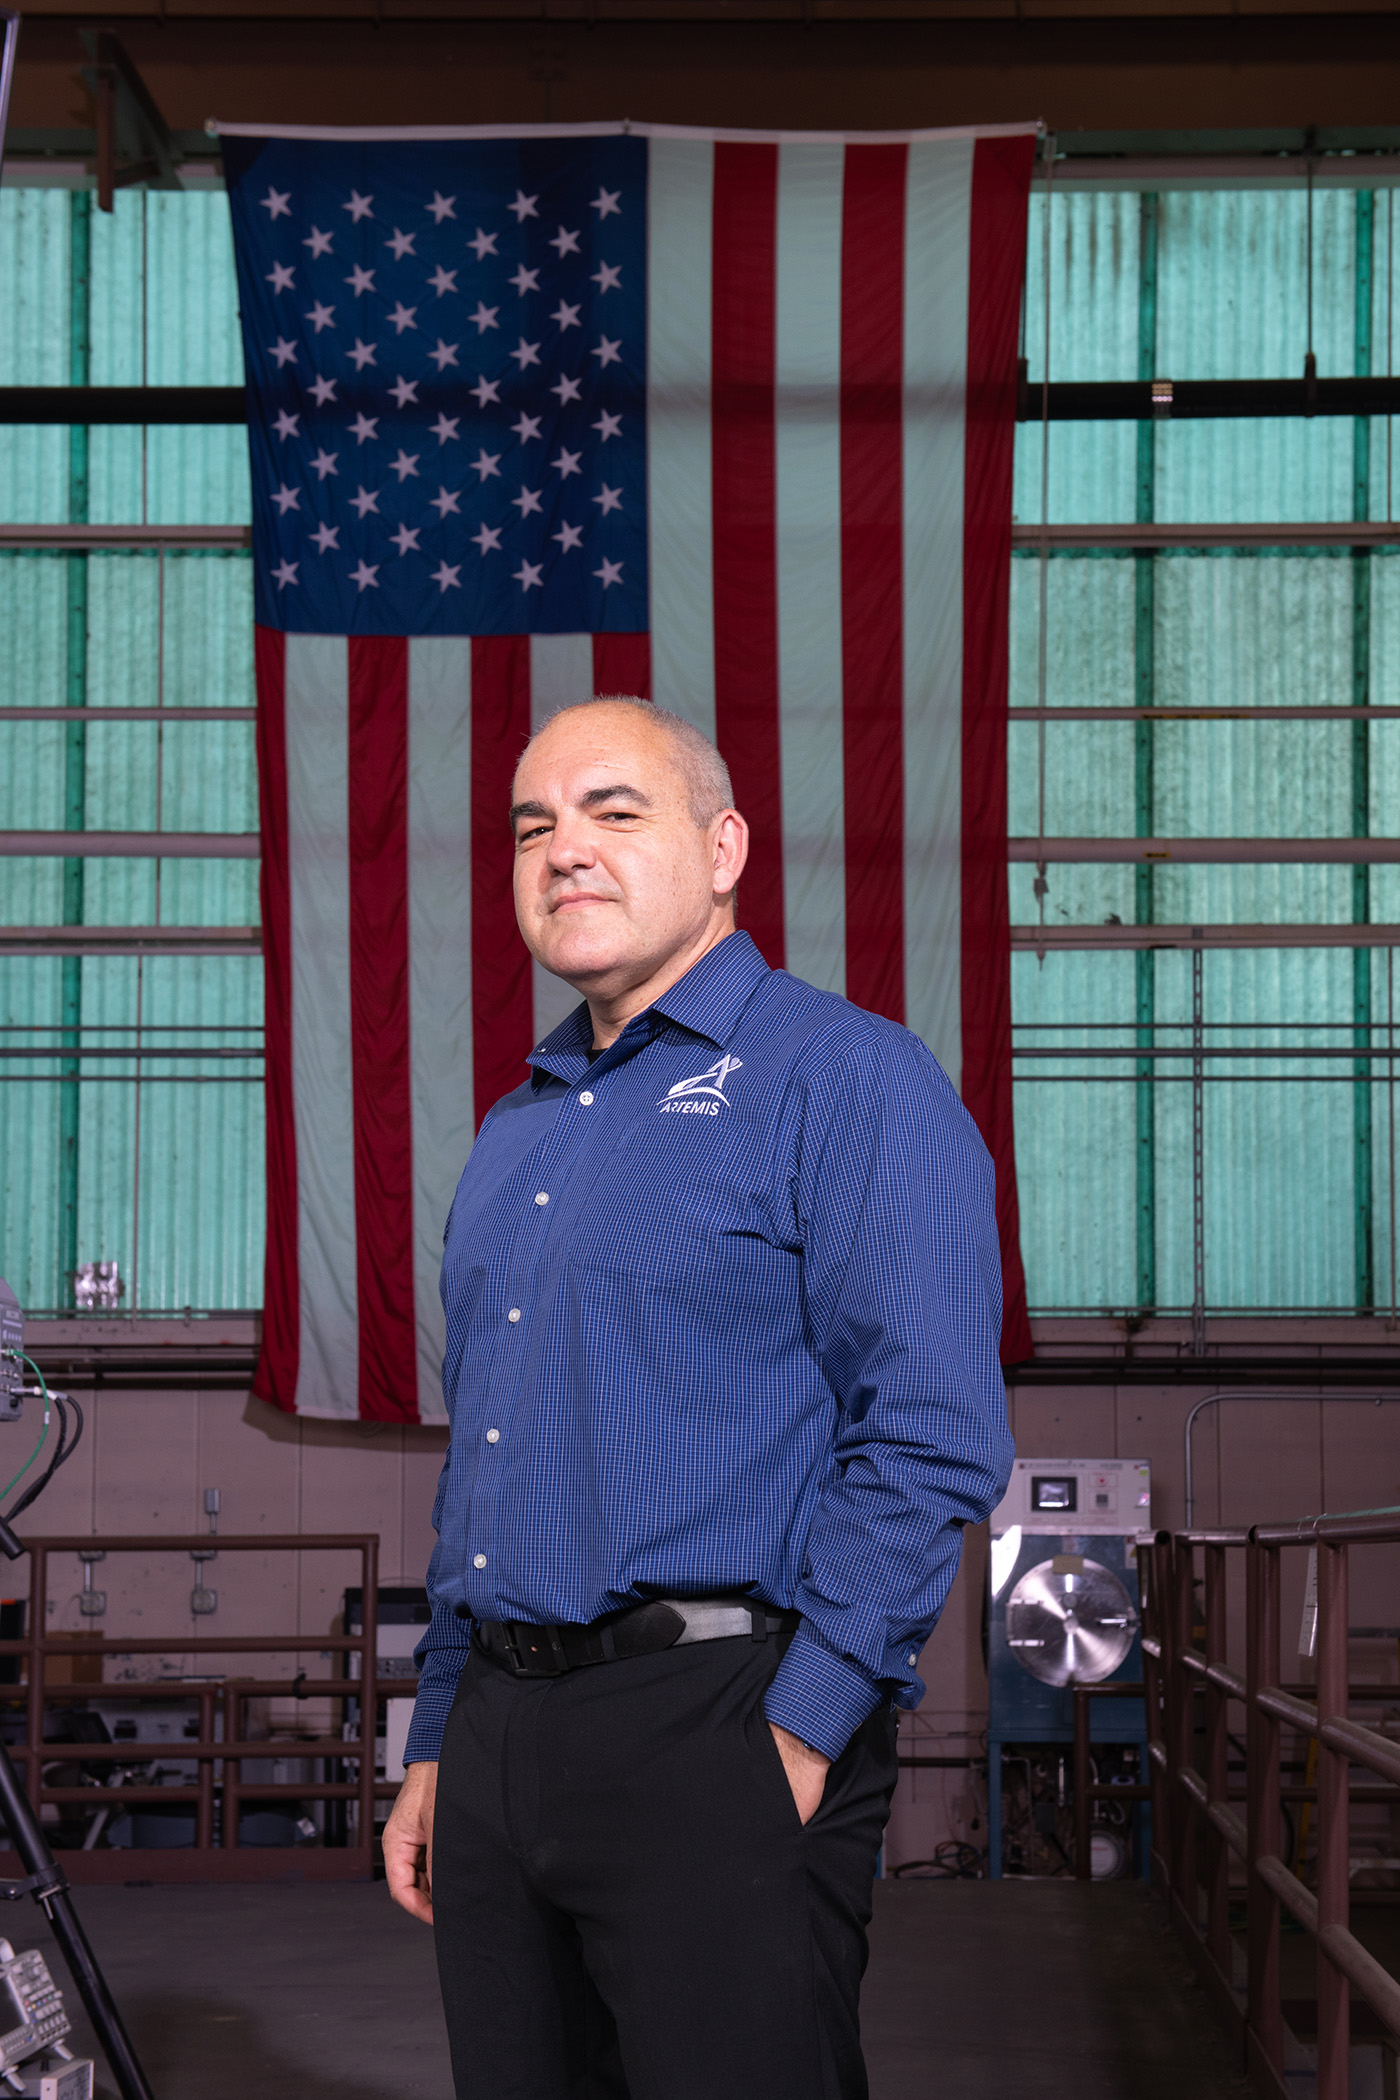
(1197, 1834)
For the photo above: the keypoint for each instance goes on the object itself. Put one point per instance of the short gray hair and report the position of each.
(708, 786)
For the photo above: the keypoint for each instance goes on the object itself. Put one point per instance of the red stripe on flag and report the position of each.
(1001, 172)
(743, 464)
(377, 838)
(872, 580)
(275, 1379)
(622, 664)
(503, 1019)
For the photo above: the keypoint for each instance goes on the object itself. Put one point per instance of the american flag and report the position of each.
(720, 419)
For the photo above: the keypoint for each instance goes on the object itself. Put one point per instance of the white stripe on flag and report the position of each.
(561, 674)
(935, 379)
(680, 200)
(328, 1373)
(439, 970)
(808, 446)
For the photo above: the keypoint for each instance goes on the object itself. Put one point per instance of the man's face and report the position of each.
(613, 876)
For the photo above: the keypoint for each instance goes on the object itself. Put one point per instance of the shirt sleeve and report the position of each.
(440, 1656)
(895, 1194)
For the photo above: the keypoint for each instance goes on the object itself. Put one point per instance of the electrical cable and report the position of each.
(43, 1432)
(67, 1445)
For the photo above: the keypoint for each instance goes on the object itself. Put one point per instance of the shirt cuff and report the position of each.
(430, 1710)
(818, 1695)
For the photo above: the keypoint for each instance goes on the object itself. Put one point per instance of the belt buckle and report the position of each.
(528, 1658)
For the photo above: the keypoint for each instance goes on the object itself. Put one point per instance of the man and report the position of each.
(723, 1303)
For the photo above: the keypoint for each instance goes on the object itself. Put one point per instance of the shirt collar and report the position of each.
(708, 1001)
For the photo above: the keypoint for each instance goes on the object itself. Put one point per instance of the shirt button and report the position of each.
(912, 1660)
(542, 1198)
(493, 1436)
(513, 1315)
(585, 1101)
(479, 1560)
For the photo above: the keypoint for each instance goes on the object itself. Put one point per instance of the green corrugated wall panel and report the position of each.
(34, 348)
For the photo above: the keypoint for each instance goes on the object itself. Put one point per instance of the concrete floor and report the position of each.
(1002, 1991)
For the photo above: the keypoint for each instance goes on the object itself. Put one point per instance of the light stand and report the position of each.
(48, 1885)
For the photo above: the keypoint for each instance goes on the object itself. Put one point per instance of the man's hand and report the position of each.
(408, 1843)
(806, 1774)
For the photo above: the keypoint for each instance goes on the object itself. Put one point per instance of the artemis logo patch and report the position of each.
(703, 1094)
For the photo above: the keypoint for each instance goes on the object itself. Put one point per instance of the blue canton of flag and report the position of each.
(445, 346)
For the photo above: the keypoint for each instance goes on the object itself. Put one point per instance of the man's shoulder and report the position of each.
(821, 1029)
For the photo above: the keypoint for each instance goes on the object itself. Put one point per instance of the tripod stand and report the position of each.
(47, 1883)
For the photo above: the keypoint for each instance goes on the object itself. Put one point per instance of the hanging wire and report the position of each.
(1310, 362)
(1043, 667)
(1389, 331)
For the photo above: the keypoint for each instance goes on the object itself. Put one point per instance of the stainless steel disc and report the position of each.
(1070, 1618)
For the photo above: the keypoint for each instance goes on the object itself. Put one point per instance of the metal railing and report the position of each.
(1203, 1850)
(223, 1746)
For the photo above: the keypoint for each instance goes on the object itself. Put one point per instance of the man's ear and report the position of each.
(731, 852)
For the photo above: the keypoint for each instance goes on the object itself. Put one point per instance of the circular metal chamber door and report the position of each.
(1070, 1618)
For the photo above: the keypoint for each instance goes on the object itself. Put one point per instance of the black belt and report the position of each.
(644, 1629)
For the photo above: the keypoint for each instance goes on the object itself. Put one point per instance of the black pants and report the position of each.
(627, 1906)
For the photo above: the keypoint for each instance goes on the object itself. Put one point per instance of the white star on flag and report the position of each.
(361, 355)
(607, 277)
(406, 539)
(447, 500)
(524, 207)
(484, 317)
(286, 424)
(611, 572)
(568, 536)
(526, 427)
(441, 207)
(365, 500)
(323, 390)
(487, 463)
(611, 499)
(526, 501)
(402, 317)
(285, 573)
(327, 536)
(325, 463)
(567, 389)
(365, 575)
(445, 428)
(487, 538)
(566, 315)
(404, 465)
(608, 352)
(284, 352)
(444, 355)
(443, 280)
(360, 280)
(526, 354)
(359, 207)
(277, 203)
(280, 277)
(286, 499)
(484, 244)
(485, 390)
(607, 201)
(364, 427)
(404, 390)
(565, 242)
(525, 280)
(447, 579)
(402, 245)
(609, 426)
(530, 575)
(319, 243)
(567, 463)
(321, 316)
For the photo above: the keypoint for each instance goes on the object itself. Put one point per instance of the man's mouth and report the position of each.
(569, 898)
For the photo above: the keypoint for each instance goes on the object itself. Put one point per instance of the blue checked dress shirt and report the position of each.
(723, 1311)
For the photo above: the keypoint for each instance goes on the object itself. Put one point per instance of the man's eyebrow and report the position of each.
(610, 794)
(528, 809)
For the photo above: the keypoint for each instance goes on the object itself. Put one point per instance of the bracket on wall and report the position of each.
(128, 122)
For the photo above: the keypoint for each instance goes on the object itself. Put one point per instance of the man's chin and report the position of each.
(582, 960)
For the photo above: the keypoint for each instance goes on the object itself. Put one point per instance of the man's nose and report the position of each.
(570, 845)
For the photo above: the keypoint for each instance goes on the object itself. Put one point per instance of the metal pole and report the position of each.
(1198, 1173)
(10, 18)
(1365, 1278)
(1217, 1765)
(1144, 694)
(1264, 2016)
(1333, 1825)
(75, 738)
